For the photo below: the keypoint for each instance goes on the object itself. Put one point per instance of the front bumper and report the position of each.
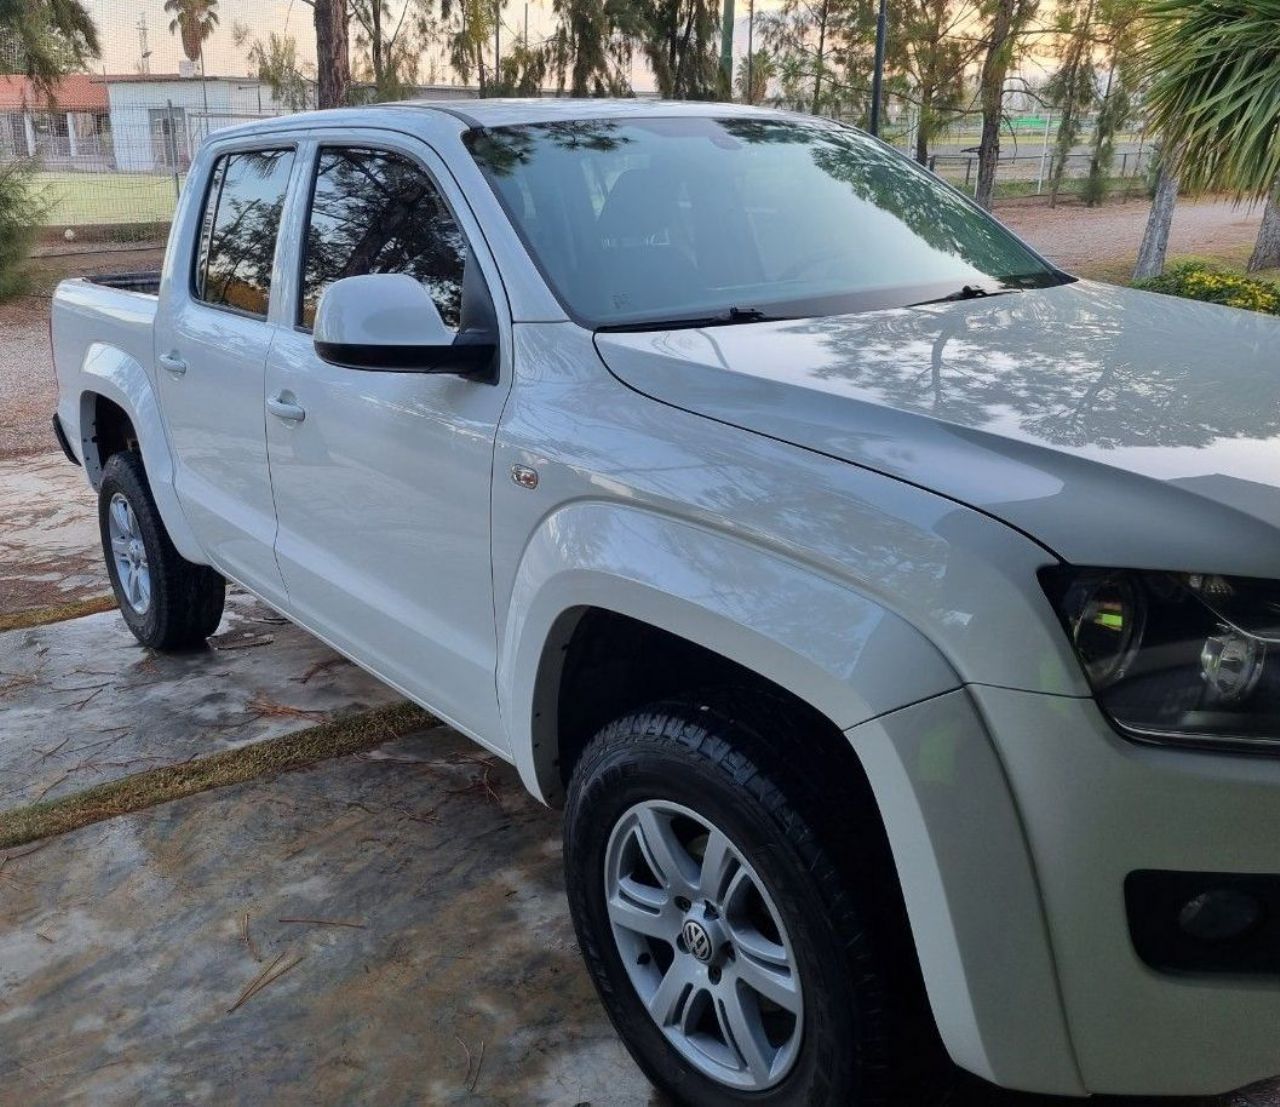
(1096, 808)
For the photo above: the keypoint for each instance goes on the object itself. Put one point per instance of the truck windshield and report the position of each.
(670, 221)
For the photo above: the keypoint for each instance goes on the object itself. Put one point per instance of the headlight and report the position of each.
(1179, 657)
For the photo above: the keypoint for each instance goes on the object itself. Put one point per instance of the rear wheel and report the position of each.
(738, 918)
(167, 601)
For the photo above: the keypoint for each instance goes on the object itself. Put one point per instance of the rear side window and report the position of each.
(377, 212)
(242, 213)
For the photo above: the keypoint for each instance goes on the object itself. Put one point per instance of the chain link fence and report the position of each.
(1031, 174)
(110, 174)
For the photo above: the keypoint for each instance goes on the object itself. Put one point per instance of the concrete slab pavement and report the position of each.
(438, 965)
(82, 703)
(50, 551)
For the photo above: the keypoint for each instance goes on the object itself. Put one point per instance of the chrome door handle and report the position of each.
(285, 409)
(173, 363)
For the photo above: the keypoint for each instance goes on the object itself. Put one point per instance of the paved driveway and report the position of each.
(383, 928)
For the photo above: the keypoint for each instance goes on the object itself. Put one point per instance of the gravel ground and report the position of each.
(1103, 242)
(28, 390)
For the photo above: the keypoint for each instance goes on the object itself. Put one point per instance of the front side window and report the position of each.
(667, 219)
(377, 212)
(238, 231)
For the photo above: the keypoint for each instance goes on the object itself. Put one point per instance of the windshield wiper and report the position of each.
(728, 318)
(966, 292)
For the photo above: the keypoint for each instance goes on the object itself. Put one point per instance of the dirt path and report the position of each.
(1102, 243)
(28, 390)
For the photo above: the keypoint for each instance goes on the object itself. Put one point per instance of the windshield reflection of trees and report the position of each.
(928, 208)
(499, 150)
(1071, 376)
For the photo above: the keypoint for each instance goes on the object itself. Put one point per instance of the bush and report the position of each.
(1198, 281)
(21, 213)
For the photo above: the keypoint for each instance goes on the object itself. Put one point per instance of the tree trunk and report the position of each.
(333, 62)
(922, 133)
(995, 67)
(822, 61)
(1155, 239)
(1266, 251)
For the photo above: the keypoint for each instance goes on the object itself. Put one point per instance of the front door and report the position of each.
(211, 341)
(382, 486)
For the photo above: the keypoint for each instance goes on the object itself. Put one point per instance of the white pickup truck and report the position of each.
(895, 616)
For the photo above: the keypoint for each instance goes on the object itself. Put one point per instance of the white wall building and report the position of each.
(158, 120)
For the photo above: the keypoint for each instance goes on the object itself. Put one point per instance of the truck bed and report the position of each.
(146, 282)
(101, 325)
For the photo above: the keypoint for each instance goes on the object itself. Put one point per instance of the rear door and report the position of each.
(382, 487)
(212, 335)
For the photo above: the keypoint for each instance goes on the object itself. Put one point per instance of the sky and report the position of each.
(118, 20)
(118, 26)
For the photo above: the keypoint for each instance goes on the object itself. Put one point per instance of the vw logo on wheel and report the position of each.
(696, 940)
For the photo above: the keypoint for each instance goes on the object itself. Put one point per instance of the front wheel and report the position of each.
(167, 601)
(739, 951)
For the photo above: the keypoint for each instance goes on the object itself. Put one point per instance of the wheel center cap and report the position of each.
(697, 941)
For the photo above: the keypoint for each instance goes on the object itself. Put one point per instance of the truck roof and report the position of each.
(504, 112)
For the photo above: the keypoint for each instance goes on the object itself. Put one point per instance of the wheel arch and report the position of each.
(118, 410)
(729, 605)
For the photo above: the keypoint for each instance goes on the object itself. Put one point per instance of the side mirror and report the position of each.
(388, 322)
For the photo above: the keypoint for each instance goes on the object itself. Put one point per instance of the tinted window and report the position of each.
(645, 220)
(375, 212)
(238, 235)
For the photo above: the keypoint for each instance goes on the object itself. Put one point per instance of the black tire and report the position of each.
(815, 840)
(186, 599)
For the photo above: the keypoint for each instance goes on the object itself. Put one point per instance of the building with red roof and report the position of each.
(67, 127)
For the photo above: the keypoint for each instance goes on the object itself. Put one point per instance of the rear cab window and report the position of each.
(242, 213)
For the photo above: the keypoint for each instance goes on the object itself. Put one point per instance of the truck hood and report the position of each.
(1115, 427)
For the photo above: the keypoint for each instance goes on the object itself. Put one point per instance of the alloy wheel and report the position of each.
(704, 945)
(129, 552)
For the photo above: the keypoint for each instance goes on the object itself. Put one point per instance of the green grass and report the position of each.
(1118, 188)
(77, 199)
(1119, 270)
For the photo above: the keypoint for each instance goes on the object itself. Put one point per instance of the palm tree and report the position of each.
(1215, 95)
(193, 21)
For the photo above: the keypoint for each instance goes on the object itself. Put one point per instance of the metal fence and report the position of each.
(1031, 174)
(110, 174)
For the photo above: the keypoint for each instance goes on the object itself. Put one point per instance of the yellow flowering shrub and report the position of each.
(1197, 281)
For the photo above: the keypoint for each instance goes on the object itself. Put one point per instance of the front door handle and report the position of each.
(173, 363)
(286, 409)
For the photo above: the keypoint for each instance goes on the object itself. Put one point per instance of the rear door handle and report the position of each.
(173, 363)
(286, 409)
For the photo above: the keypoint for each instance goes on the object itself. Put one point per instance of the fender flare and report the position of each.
(111, 372)
(833, 647)
(874, 675)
